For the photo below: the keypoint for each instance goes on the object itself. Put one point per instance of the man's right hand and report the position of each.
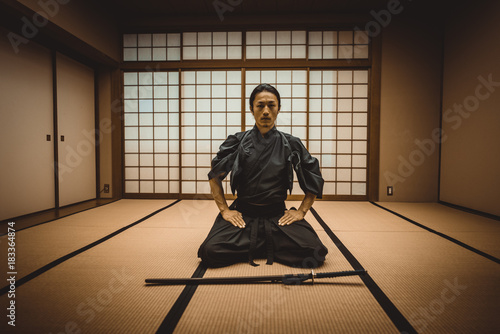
(234, 217)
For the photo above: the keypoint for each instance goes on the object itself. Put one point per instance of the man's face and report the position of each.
(265, 110)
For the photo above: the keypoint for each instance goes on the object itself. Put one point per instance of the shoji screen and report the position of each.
(167, 149)
(337, 118)
(338, 45)
(276, 44)
(338, 128)
(211, 110)
(211, 45)
(151, 122)
(174, 126)
(152, 47)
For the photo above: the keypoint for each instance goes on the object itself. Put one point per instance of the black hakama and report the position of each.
(261, 173)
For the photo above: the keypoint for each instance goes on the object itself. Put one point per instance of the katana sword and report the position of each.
(285, 279)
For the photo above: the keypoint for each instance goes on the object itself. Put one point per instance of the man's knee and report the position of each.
(207, 251)
(212, 255)
(314, 257)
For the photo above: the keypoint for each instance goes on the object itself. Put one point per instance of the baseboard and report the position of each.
(476, 212)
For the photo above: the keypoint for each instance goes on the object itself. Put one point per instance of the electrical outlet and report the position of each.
(106, 188)
(390, 191)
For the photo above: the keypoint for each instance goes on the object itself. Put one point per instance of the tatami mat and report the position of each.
(344, 306)
(479, 232)
(102, 290)
(439, 287)
(333, 305)
(42, 244)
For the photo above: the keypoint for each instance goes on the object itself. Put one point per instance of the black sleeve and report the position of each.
(307, 168)
(223, 162)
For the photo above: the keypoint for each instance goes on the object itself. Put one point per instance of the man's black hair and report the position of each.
(267, 88)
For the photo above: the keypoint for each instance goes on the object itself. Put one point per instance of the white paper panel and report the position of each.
(144, 54)
(161, 187)
(359, 174)
(298, 37)
(173, 39)
(359, 147)
(189, 38)
(329, 119)
(268, 52)
(358, 189)
(131, 146)
(234, 38)
(298, 51)
(129, 40)
(329, 188)
(343, 188)
(328, 174)
(284, 37)
(131, 187)
(146, 187)
(146, 173)
(189, 187)
(146, 146)
(144, 40)
(315, 52)
(359, 161)
(360, 105)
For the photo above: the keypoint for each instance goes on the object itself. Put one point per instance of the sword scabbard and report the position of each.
(285, 279)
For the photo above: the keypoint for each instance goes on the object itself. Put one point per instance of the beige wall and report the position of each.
(470, 162)
(85, 20)
(26, 157)
(410, 102)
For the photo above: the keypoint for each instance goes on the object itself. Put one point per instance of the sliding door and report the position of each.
(26, 153)
(76, 134)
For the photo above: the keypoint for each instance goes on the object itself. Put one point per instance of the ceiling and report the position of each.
(129, 12)
(153, 8)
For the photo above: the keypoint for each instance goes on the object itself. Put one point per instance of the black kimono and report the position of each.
(261, 173)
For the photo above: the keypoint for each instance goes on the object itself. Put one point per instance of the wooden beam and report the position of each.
(232, 21)
(248, 64)
(374, 125)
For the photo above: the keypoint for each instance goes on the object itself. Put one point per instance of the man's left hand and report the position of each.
(290, 217)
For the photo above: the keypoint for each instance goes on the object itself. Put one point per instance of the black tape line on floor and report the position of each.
(174, 315)
(60, 260)
(447, 237)
(397, 318)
